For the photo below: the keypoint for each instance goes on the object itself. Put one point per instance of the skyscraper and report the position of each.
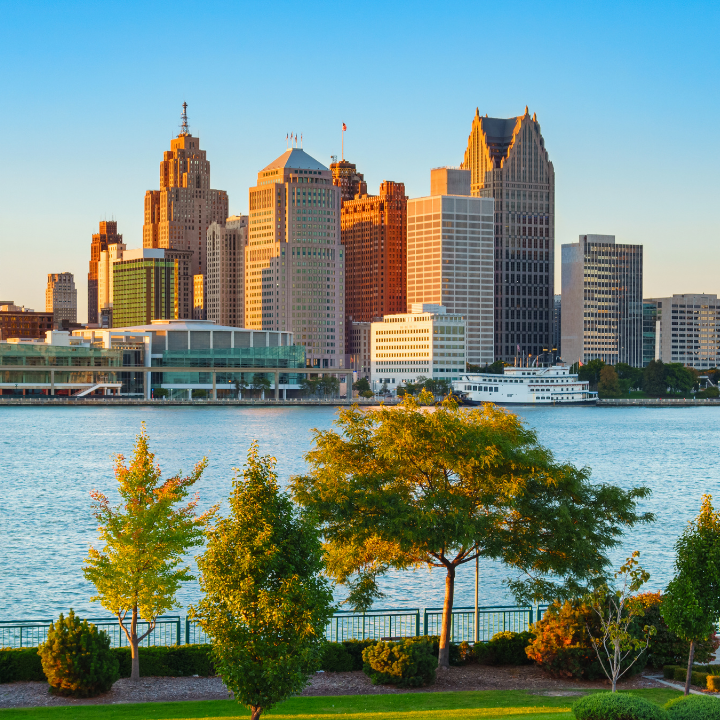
(61, 298)
(348, 179)
(294, 267)
(105, 281)
(450, 263)
(225, 282)
(508, 162)
(602, 301)
(107, 236)
(374, 233)
(178, 215)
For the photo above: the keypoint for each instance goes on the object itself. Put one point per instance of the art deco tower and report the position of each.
(178, 215)
(101, 241)
(508, 161)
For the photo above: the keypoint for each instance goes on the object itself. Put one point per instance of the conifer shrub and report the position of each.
(617, 706)
(77, 658)
(713, 683)
(693, 707)
(409, 663)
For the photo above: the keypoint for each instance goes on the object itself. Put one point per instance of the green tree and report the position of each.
(261, 383)
(361, 385)
(691, 604)
(309, 386)
(265, 603)
(589, 372)
(616, 610)
(630, 377)
(240, 384)
(678, 378)
(497, 368)
(328, 385)
(401, 487)
(609, 385)
(140, 567)
(654, 378)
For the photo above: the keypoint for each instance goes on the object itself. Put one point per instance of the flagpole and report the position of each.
(342, 144)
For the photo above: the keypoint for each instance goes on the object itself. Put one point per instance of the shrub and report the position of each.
(336, 658)
(466, 653)
(713, 683)
(77, 659)
(21, 664)
(170, 661)
(616, 706)
(693, 707)
(410, 663)
(669, 672)
(507, 648)
(355, 649)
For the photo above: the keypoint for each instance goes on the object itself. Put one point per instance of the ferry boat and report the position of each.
(554, 385)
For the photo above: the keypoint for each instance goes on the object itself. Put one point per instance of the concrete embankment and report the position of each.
(658, 402)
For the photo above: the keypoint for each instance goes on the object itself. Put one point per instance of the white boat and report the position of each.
(554, 385)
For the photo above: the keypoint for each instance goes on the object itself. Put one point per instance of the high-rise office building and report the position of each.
(113, 253)
(17, 321)
(225, 280)
(178, 215)
(143, 288)
(556, 348)
(508, 162)
(687, 330)
(602, 302)
(650, 332)
(348, 179)
(449, 181)
(199, 300)
(450, 263)
(374, 234)
(61, 298)
(101, 241)
(294, 260)
(360, 347)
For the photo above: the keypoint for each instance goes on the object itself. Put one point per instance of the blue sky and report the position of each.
(626, 95)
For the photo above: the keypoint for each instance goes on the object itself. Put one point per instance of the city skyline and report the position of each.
(612, 116)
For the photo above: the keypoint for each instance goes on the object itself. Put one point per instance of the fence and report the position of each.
(375, 625)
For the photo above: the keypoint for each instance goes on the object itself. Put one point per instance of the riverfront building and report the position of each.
(360, 334)
(687, 329)
(294, 259)
(602, 313)
(61, 298)
(509, 163)
(177, 216)
(21, 322)
(450, 263)
(427, 342)
(374, 234)
(225, 283)
(102, 241)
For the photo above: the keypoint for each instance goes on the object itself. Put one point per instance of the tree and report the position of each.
(496, 368)
(402, 487)
(678, 378)
(609, 385)
(145, 538)
(691, 604)
(240, 385)
(616, 610)
(589, 372)
(362, 385)
(309, 386)
(654, 378)
(261, 383)
(329, 385)
(630, 377)
(265, 604)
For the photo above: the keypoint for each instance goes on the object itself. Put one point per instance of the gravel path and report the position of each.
(166, 689)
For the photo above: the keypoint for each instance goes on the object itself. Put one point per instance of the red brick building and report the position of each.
(16, 322)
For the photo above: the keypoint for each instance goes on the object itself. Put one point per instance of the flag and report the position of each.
(580, 363)
(518, 348)
(344, 127)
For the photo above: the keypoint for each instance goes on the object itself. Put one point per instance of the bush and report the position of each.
(697, 677)
(617, 706)
(669, 672)
(708, 392)
(169, 661)
(693, 707)
(355, 649)
(336, 658)
(713, 683)
(77, 659)
(410, 663)
(507, 648)
(21, 664)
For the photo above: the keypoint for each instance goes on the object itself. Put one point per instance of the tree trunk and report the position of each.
(134, 654)
(444, 654)
(615, 664)
(689, 670)
(255, 712)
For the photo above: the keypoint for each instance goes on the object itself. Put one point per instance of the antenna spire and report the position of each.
(184, 128)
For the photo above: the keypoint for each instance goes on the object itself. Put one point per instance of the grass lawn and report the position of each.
(487, 705)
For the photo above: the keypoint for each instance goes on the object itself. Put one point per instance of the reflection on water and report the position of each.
(50, 459)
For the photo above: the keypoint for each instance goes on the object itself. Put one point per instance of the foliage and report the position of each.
(505, 648)
(404, 487)
(617, 648)
(630, 378)
(692, 600)
(666, 648)
(199, 393)
(325, 386)
(145, 538)
(609, 385)
(367, 393)
(265, 604)
(240, 384)
(693, 707)
(616, 706)
(20, 664)
(362, 385)
(76, 658)
(260, 382)
(713, 683)
(336, 658)
(409, 663)
(654, 378)
(708, 393)
(168, 661)
(496, 368)
(589, 372)
(678, 378)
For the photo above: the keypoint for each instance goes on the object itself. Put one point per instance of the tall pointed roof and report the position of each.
(295, 158)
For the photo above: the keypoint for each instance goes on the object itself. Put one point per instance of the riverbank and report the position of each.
(198, 402)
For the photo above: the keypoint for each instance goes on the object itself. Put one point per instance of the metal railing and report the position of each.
(373, 625)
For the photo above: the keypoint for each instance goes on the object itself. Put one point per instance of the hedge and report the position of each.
(172, 661)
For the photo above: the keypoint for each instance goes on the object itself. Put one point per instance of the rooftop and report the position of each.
(295, 158)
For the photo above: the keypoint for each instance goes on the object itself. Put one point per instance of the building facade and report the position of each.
(688, 330)
(360, 334)
(108, 257)
(348, 179)
(61, 298)
(199, 299)
(450, 263)
(508, 162)
(294, 259)
(225, 284)
(101, 241)
(425, 343)
(178, 215)
(374, 234)
(143, 288)
(449, 181)
(651, 351)
(20, 322)
(556, 348)
(602, 315)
